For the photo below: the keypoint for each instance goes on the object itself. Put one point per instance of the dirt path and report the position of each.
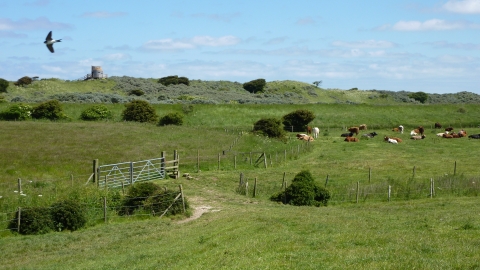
(198, 212)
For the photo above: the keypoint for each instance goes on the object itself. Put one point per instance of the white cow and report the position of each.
(315, 131)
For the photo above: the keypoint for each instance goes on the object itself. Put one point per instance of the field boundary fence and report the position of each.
(108, 209)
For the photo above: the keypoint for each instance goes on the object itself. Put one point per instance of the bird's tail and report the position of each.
(59, 40)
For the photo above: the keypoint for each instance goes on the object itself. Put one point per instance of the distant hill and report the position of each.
(125, 89)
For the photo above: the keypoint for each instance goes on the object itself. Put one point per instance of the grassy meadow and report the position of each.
(246, 232)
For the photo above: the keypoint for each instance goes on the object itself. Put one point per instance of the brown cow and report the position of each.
(448, 136)
(394, 138)
(449, 129)
(354, 130)
(351, 139)
(438, 125)
(462, 133)
(421, 130)
(362, 127)
(309, 130)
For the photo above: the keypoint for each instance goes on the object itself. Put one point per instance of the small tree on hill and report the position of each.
(317, 83)
(174, 80)
(298, 119)
(23, 81)
(255, 86)
(139, 111)
(3, 85)
(270, 127)
(419, 96)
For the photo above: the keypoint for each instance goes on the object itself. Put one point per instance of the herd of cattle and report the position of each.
(415, 134)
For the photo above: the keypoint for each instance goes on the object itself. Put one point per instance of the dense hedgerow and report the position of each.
(171, 119)
(35, 220)
(270, 127)
(51, 110)
(139, 111)
(68, 215)
(17, 112)
(303, 191)
(96, 112)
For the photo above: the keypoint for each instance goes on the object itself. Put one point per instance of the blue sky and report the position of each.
(430, 45)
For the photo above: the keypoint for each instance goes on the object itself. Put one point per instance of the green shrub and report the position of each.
(139, 111)
(136, 197)
(298, 119)
(16, 112)
(3, 85)
(419, 96)
(51, 110)
(187, 108)
(171, 119)
(174, 80)
(162, 200)
(68, 215)
(136, 92)
(270, 127)
(303, 191)
(35, 220)
(255, 86)
(23, 81)
(96, 112)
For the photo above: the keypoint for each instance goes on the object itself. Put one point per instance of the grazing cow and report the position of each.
(462, 133)
(370, 135)
(351, 139)
(362, 127)
(474, 136)
(354, 130)
(418, 137)
(393, 138)
(309, 130)
(316, 131)
(413, 133)
(438, 125)
(449, 129)
(421, 130)
(350, 134)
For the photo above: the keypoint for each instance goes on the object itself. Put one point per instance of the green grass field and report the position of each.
(242, 232)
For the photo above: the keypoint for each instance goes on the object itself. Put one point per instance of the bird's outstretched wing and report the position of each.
(50, 47)
(49, 37)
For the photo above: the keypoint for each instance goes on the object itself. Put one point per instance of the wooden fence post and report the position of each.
(358, 190)
(71, 179)
(95, 171)
(326, 181)
(19, 182)
(255, 188)
(431, 187)
(246, 188)
(176, 169)
(105, 209)
(131, 173)
(389, 192)
(106, 184)
(218, 167)
(198, 160)
(369, 174)
(265, 159)
(235, 161)
(19, 217)
(183, 198)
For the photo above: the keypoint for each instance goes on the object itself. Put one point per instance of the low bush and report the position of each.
(136, 92)
(96, 112)
(68, 215)
(17, 112)
(25, 80)
(139, 111)
(3, 85)
(136, 197)
(270, 127)
(171, 119)
(51, 110)
(303, 191)
(35, 220)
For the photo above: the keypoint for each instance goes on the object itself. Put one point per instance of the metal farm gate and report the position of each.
(127, 173)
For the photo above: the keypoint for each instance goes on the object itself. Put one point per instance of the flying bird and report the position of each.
(49, 42)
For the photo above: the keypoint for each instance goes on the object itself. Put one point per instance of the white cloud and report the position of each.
(103, 14)
(364, 44)
(430, 25)
(182, 44)
(28, 24)
(463, 6)
(116, 56)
